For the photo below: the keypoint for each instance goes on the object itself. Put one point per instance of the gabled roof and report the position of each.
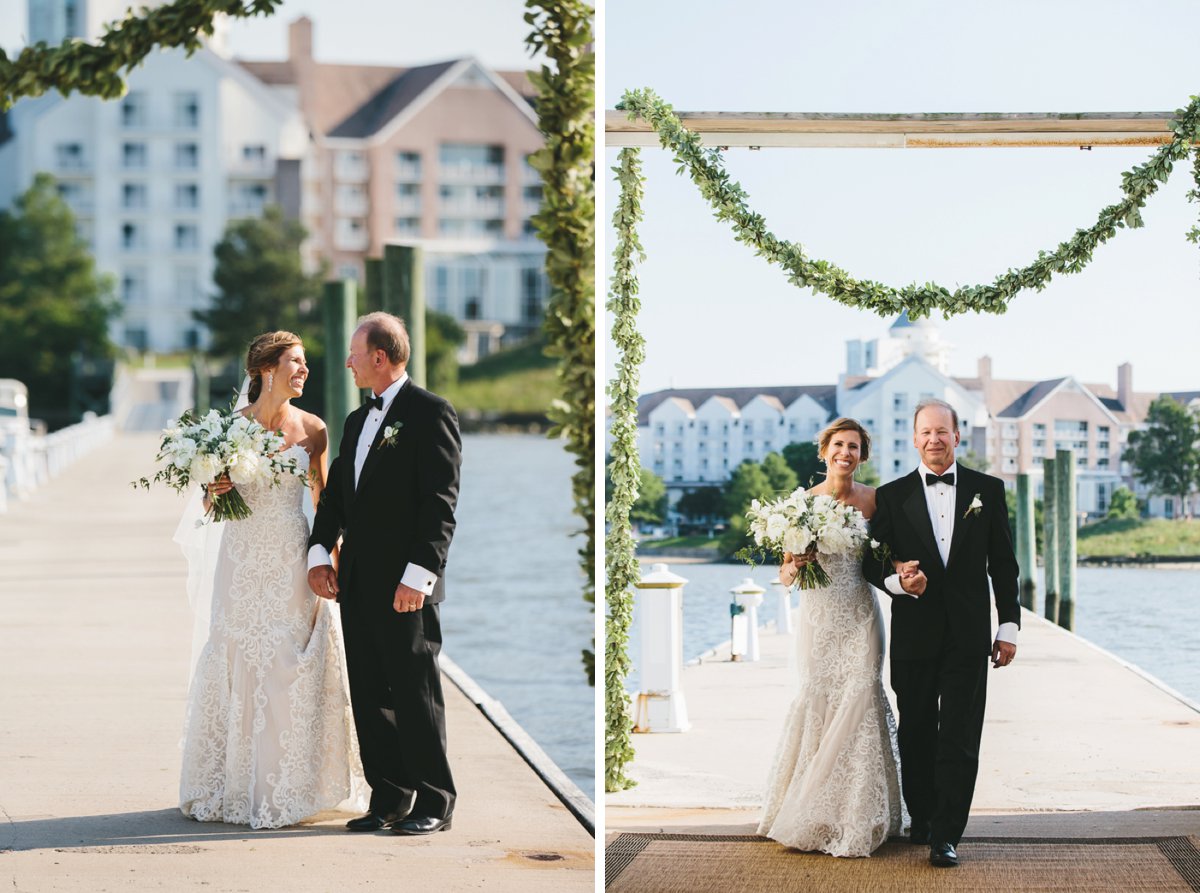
(824, 394)
(352, 96)
(404, 89)
(1029, 399)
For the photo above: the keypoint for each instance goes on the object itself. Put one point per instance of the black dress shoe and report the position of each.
(943, 855)
(421, 824)
(372, 821)
(918, 833)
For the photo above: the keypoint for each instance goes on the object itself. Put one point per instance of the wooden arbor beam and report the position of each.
(923, 131)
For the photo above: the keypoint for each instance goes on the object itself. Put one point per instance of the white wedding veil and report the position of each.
(200, 541)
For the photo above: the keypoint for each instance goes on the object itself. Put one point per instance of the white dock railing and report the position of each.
(28, 460)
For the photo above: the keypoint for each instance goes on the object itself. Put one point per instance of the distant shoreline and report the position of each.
(1167, 562)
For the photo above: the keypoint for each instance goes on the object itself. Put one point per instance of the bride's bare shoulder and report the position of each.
(867, 502)
(312, 423)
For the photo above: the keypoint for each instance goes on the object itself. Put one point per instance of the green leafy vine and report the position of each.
(620, 560)
(95, 69)
(567, 224)
(728, 200)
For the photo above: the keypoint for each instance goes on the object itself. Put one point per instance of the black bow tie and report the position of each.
(931, 479)
(374, 402)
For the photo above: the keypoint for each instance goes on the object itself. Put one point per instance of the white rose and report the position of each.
(245, 470)
(797, 540)
(776, 525)
(205, 469)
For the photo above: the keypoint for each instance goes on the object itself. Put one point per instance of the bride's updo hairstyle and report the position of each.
(264, 354)
(844, 424)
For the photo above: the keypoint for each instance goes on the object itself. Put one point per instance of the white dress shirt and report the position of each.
(940, 501)
(414, 576)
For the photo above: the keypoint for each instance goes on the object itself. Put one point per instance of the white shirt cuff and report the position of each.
(416, 577)
(1007, 633)
(317, 556)
(893, 586)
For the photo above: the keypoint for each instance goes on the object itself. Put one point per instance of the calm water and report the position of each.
(1149, 617)
(514, 617)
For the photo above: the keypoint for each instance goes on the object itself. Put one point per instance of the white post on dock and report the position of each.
(748, 595)
(783, 608)
(660, 703)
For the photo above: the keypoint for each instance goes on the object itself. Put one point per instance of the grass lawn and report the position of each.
(681, 542)
(1133, 538)
(519, 379)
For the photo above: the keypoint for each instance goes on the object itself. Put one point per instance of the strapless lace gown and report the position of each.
(269, 738)
(834, 783)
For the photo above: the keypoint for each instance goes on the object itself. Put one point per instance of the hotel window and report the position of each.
(254, 154)
(133, 195)
(133, 285)
(409, 227)
(133, 110)
(187, 110)
(133, 155)
(187, 196)
(187, 285)
(69, 156)
(131, 237)
(187, 156)
(187, 237)
(408, 166)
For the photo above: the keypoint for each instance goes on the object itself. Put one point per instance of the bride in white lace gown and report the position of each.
(269, 737)
(834, 783)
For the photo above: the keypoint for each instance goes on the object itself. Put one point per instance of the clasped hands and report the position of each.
(322, 580)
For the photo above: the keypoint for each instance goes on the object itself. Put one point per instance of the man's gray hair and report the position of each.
(933, 401)
(387, 333)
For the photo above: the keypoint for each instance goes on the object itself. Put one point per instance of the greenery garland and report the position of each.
(728, 200)
(567, 224)
(620, 560)
(96, 69)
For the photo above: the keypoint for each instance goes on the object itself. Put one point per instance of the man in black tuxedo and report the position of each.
(390, 496)
(949, 526)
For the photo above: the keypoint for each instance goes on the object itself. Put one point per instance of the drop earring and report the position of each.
(270, 382)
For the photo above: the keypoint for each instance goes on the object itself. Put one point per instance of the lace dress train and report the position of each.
(269, 738)
(834, 782)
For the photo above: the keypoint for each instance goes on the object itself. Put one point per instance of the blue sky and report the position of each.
(389, 32)
(715, 314)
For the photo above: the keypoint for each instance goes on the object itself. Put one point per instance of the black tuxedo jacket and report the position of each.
(955, 609)
(403, 508)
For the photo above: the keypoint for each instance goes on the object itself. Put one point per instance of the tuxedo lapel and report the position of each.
(917, 510)
(394, 414)
(964, 492)
(349, 447)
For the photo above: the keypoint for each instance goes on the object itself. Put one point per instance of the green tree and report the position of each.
(261, 284)
(53, 303)
(803, 459)
(701, 503)
(973, 460)
(1123, 504)
(1010, 500)
(1164, 455)
(866, 474)
(747, 482)
(443, 336)
(783, 479)
(651, 505)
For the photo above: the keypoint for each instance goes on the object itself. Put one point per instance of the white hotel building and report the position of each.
(362, 155)
(695, 437)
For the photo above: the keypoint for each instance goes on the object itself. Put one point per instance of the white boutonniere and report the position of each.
(390, 433)
(975, 507)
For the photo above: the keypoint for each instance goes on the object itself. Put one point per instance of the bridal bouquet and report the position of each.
(801, 522)
(200, 449)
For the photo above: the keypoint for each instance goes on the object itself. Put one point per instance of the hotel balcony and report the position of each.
(471, 174)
